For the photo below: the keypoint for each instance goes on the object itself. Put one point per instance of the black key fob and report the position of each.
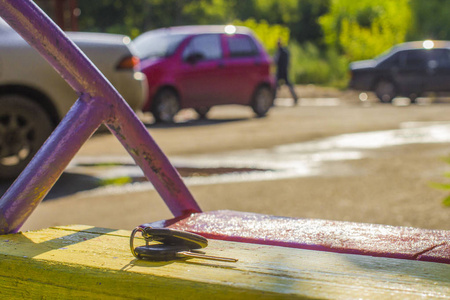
(175, 237)
(159, 252)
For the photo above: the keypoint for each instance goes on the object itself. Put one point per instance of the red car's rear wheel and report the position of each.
(166, 105)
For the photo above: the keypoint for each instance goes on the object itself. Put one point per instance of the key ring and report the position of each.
(133, 234)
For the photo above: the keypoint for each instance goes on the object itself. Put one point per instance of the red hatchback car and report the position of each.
(202, 66)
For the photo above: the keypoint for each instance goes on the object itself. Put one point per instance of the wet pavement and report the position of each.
(119, 173)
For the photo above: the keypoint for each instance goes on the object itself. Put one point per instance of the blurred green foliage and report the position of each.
(300, 16)
(134, 17)
(311, 64)
(266, 33)
(430, 20)
(324, 35)
(365, 28)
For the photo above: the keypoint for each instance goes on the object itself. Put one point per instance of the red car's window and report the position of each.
(241, 46)
(206, 47)
(157, 45)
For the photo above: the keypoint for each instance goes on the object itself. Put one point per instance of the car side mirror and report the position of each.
(194, 57)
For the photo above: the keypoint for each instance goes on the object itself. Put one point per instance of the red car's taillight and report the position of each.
(129, 62)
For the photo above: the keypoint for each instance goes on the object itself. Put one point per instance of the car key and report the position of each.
(174, 244)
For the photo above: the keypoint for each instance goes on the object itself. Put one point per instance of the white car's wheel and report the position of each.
(166, 106)
(24, 126)
(262, 101)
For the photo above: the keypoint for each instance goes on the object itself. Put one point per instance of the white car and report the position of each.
(34, 98)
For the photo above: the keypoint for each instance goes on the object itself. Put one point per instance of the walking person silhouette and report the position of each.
(281, 59)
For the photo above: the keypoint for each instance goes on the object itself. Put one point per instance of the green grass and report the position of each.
(116, 181)
(309, 64)
(443, 186)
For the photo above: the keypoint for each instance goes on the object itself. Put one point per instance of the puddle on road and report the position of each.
(412, 133)
(183, 171)
(286, 161)
(205, 172)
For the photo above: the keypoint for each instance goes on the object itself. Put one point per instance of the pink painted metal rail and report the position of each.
(98, 103)
(319, 235)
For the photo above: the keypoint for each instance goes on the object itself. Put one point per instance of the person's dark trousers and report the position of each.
(291, 88)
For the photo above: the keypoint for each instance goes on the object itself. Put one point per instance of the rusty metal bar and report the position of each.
(99, 102)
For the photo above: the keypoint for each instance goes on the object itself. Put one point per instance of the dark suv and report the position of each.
(408, 70)
(203, 66)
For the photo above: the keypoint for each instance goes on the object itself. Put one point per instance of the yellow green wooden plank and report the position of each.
(89, 262)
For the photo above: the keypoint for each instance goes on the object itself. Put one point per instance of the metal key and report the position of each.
(174, 244)
(192, 254)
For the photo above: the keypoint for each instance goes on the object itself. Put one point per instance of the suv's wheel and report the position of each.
(385, 91)
(24, 126)
(166, 106)
(262, 101)
(202, 111)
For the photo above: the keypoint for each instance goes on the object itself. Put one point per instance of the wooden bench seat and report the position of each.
(85, 262)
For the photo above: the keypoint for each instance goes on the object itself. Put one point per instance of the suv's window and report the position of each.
(204, 47)
(414, 58)
(390, 61)
(241, 46)
(439, 57)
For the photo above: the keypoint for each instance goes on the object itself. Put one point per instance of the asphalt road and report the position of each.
(386, 184)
